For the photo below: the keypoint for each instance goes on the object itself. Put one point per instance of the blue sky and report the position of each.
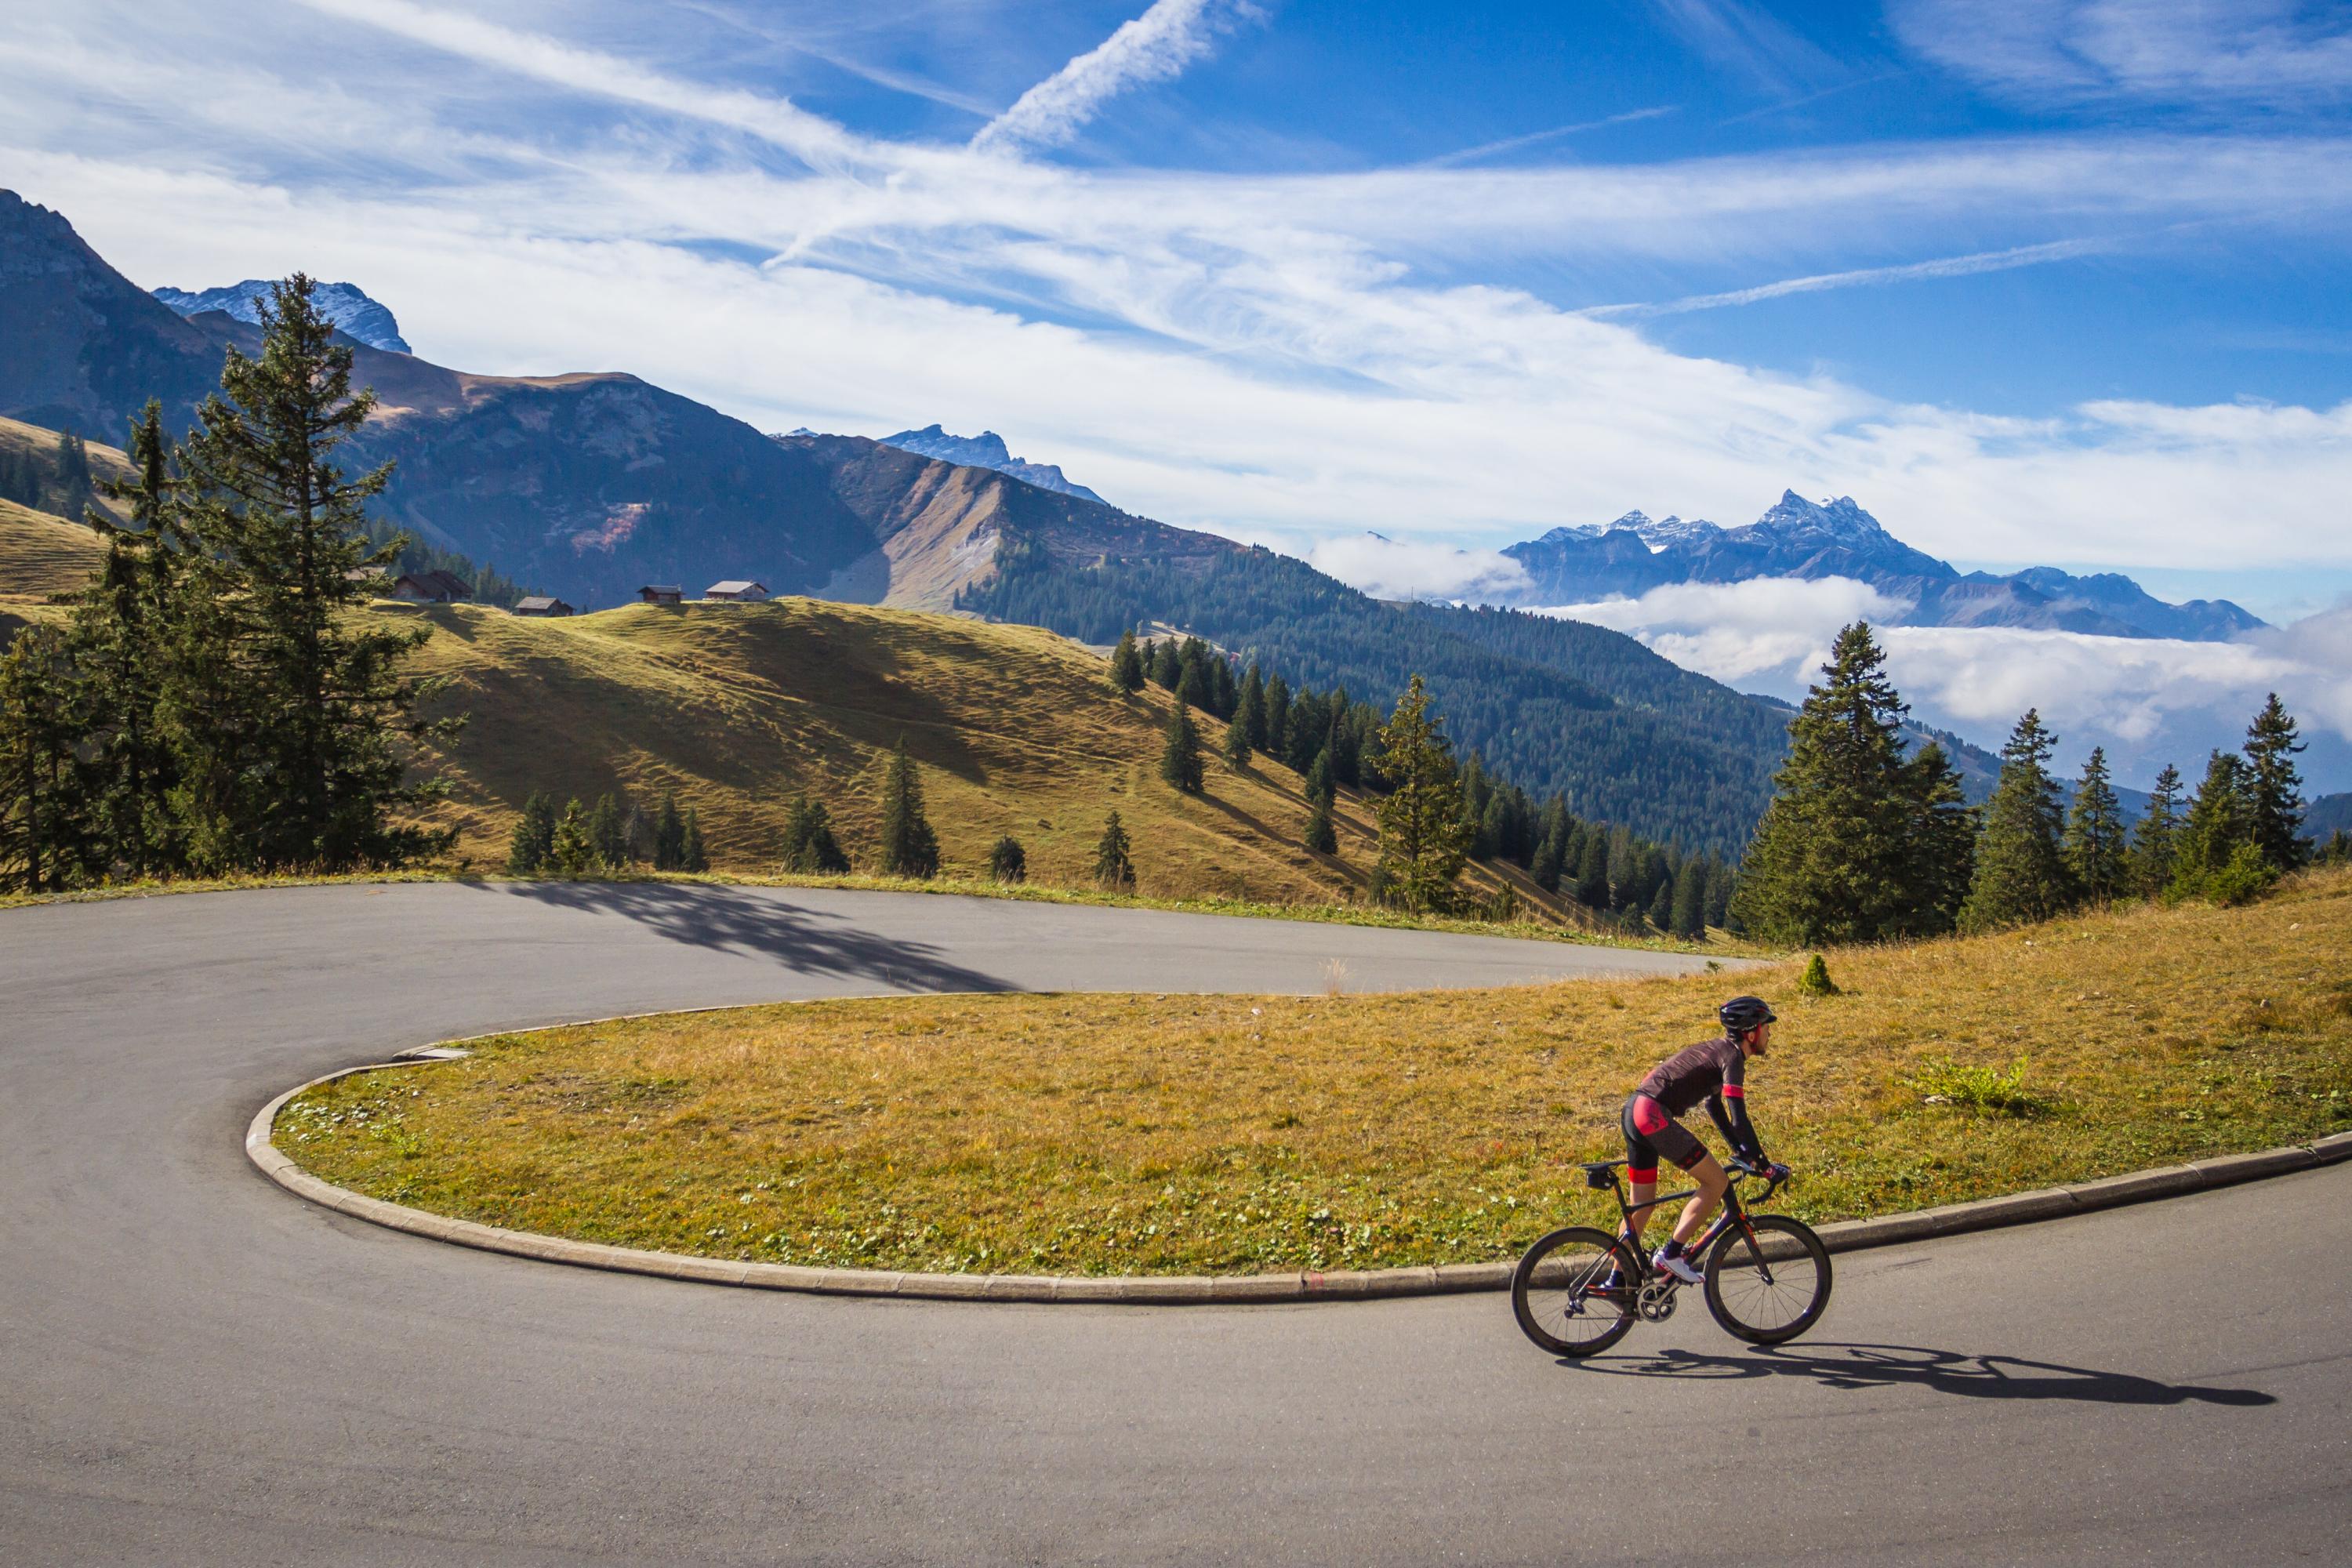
(2054, 282)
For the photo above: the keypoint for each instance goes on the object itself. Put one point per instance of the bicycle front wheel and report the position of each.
(1770, 1289)
(1558, 1294)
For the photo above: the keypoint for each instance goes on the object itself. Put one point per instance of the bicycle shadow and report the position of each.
(1956, 1372)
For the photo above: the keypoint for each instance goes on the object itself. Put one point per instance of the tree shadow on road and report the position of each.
(1915, 1367)
(763, 921)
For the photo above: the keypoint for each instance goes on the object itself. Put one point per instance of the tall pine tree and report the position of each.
(2022, 874)
(1114, 865)
(2221, 819)
(1838, 857)
(2155, 842)
(1423, 839)
(1127, 664)
(1180, 758)
(2095, 833)
(908, 848)
(2274, 789)
(296, 739)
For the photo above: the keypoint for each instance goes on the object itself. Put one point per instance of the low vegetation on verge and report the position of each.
(1183, 1134)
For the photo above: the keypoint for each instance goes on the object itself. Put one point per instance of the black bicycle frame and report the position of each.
(1732, 1214)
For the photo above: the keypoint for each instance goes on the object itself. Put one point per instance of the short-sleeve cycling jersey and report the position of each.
(1713, 1071)
(1696, 1073)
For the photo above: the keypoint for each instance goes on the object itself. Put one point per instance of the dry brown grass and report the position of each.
(1138, 1134)
(737, 708)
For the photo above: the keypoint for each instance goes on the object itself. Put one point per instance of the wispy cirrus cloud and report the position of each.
(1868, 277)
(1154, 47)
(2183, 52)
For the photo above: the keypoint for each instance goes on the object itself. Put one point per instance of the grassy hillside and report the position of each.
(1222, 1135)
(738, 707)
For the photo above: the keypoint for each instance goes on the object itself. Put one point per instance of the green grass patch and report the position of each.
(1182, 1134)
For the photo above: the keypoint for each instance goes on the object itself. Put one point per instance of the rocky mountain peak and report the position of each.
(345, 304)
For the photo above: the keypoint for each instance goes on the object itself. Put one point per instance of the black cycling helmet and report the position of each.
(1742, 1013)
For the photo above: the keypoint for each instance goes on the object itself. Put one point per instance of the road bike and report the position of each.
(1767, 1275)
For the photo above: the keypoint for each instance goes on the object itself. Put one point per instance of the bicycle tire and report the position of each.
(1771, 1298)
(1549, 1289)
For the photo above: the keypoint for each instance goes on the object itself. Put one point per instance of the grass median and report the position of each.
(1138, 1134)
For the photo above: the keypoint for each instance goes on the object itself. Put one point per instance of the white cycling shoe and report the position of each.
(1680, 1267)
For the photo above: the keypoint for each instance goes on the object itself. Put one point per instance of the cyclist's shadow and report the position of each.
(1913, 1366)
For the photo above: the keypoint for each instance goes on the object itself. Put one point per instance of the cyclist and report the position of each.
(1712, 1070)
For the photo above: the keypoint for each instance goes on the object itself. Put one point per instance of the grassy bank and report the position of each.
(1178, 1134)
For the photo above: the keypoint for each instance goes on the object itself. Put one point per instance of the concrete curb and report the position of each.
(2017, 1208)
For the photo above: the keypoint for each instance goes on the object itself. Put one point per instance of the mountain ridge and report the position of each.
(1808, 539)
(360, 318)
(987, 450)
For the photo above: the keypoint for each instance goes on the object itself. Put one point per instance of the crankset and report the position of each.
(1656, 1300)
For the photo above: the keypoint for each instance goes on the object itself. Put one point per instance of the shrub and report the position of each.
(1815, 981)
(2247, 876)
(1007, 862)
(1942, 1081)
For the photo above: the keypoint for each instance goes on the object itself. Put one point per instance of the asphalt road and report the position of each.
(195, 1368)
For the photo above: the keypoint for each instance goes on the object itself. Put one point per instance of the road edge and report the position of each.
(1170, 1291)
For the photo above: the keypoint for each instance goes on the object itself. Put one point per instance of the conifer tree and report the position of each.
(1424, 841)
(810, 848)
(296, 739)
(1720, 882)
(533, 845)
(1249, 709)
(1274, 739)
(1687, 917)
(604, 831)
(1321, 836)
(1941, 850)
(1319, 785)
(1546, 867)
(1593, 871)
(2155, 843)
(1237, 740)
(1661, 913)
(669, 835)
(1114, 866)
(573, 853)
(2095, 833)
(2021, 874)
(1127, 663)
(69, 479)
(1192, 691)
(41, 794)
(1167, 668)
(691, 856)
(2274, 789)
(909, 848)
(637, 832)
(119, 640)
(1836, 856)
(1007, 861)
(2221, 819)
(1179, 758)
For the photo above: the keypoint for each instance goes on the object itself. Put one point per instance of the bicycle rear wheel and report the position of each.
(1770, 1290)
(1555, 1291)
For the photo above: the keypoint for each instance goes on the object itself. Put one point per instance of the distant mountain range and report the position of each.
(587, 486)
(985, 450)
(1798, 538)
(358, 316)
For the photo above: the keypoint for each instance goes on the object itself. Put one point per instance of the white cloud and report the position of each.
(1760, 634)
(1264, 355)
(1404, 569)
(1154, 47)
(1909, 272)
(2264, 52)
(2148, 701)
